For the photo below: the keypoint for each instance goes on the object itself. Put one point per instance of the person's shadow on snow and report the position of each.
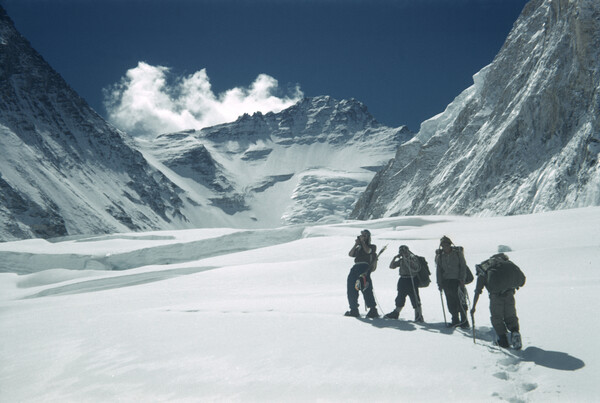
(549, 359)
(407, 325)
(382, 323)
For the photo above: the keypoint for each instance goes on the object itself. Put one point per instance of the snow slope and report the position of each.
(256, 315)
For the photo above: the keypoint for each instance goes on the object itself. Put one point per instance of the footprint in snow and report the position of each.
(502, 375)
(528, 387)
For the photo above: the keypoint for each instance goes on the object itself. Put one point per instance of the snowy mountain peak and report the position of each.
(323, 118)
(523, 138)
(307, 163)
(350, 109)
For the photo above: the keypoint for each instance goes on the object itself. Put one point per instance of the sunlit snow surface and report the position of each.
(257, 315)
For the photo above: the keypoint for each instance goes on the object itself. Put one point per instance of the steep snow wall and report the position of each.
(63, 169)
(523, 138)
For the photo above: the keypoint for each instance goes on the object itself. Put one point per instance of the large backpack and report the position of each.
(501, 274)
(469, 277)
(424, 273)
(458, 249)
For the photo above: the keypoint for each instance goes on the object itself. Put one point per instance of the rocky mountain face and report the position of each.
(63, 169)
(307, 163)
(523, 138)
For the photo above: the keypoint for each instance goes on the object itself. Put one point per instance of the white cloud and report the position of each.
(145, 102)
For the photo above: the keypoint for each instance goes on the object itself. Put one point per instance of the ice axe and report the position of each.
(381, 251)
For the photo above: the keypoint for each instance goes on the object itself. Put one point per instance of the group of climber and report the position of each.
(496, 274)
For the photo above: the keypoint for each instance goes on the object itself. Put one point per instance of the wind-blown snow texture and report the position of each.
(257, 315)
(524, 138)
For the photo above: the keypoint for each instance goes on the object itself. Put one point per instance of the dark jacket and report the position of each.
(361, 256)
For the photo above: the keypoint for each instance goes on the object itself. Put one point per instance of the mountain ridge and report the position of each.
(63, 168)
(523, 138)
(242, 166)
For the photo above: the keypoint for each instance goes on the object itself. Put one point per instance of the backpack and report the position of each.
(459, 249)
(469, 278)
(424, 273)
(501, 274)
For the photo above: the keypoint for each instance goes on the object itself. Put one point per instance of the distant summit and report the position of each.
(320, 118)
(307, 163)
(524, 138)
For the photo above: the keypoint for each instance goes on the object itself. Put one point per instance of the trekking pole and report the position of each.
(415, 292)
(473, 321)
(443, 309)
(475, 299)
(417, 298)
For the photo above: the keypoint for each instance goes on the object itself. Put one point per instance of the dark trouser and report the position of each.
(355, 272)
(504, 312)
(406, 289)
(456, 305)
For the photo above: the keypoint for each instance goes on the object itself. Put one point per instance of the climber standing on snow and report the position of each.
(451, 275)
(501, 277)
(359, 278)
(408, 284)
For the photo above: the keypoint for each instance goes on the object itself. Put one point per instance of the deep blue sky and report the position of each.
(405, 59)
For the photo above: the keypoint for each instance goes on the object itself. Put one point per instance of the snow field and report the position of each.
(264, 321)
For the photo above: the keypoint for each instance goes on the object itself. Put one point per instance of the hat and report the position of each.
(366, 231)
(445, 241)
